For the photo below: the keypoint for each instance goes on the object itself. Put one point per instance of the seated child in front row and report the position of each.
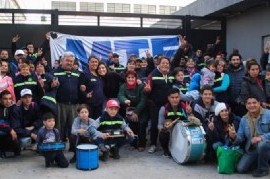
(107, 123)
(48, 134)
(79, 133)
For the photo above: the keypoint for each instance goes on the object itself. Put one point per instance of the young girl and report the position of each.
(208, 73)
(79, 133)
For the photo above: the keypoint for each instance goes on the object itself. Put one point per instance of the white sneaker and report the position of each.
(152, 149)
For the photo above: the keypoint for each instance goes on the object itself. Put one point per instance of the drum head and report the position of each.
(180, 145)
(86, 147)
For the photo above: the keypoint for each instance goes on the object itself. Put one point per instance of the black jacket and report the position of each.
(249, 87)
(21, 118)
(219, 134)
(29, 82)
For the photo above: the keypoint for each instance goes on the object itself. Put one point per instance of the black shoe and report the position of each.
(17, 154)
(2, 155)
(48, 164)
(105, 156)
(73, 159)
(259, 173)
(115, 153)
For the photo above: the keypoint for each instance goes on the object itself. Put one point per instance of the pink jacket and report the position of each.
(6, 83)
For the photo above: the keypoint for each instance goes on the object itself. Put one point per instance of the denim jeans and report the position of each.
(260, 155)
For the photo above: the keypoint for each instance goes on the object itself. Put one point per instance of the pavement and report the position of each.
(132, 164)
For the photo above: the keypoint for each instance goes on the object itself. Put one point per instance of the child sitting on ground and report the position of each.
(111, 125)
(49, 134)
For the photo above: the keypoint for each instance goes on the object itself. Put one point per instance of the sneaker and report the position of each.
(115, 153)
(167, 154)
(152, 149)
(260, 173)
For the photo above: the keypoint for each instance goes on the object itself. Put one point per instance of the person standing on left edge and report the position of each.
(254, 132)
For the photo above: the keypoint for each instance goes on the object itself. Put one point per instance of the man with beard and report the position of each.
(4, 55)
(236, 72)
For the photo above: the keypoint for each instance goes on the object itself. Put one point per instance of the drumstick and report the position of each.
(115, 136)
(174, 121)
(120, 135)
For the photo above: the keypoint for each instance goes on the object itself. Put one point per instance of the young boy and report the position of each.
(108, 123)
(49, 134)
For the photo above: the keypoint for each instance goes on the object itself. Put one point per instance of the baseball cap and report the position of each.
(26, 92)
(19, 52)
(112, 103)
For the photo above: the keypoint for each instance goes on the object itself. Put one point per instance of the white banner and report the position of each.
(85, 46)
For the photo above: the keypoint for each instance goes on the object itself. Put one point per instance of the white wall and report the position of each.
(245, 32)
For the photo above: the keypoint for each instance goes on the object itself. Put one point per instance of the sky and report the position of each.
(45, 4)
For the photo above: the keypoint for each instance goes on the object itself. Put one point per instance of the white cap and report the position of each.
(26, 92)
(219, 108)
(19, 52)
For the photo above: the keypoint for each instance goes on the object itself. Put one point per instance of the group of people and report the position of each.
(227, 97)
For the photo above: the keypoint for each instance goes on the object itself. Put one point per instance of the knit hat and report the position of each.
(219, 108)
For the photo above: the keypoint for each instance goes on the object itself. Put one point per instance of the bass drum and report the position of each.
(187, 143)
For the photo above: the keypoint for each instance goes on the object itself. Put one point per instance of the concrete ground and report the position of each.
(133, 164)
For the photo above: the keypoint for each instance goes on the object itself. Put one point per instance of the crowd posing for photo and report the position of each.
(97, 103)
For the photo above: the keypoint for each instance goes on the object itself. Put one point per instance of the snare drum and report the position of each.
(87, 157)
(51, 146)
(187, 143)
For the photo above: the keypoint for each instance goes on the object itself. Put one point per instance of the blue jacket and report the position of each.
(95, 84)
(195, 82)
(236, 78)
(263, 126)
(41, 135)
(69, 87)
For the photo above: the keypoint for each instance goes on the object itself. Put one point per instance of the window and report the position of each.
(144, 9)
(118, 8)
(166, 10)
(91, 6)
(64, 5)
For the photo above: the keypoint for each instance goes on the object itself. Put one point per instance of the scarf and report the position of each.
(253, 123)
(131, 86)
